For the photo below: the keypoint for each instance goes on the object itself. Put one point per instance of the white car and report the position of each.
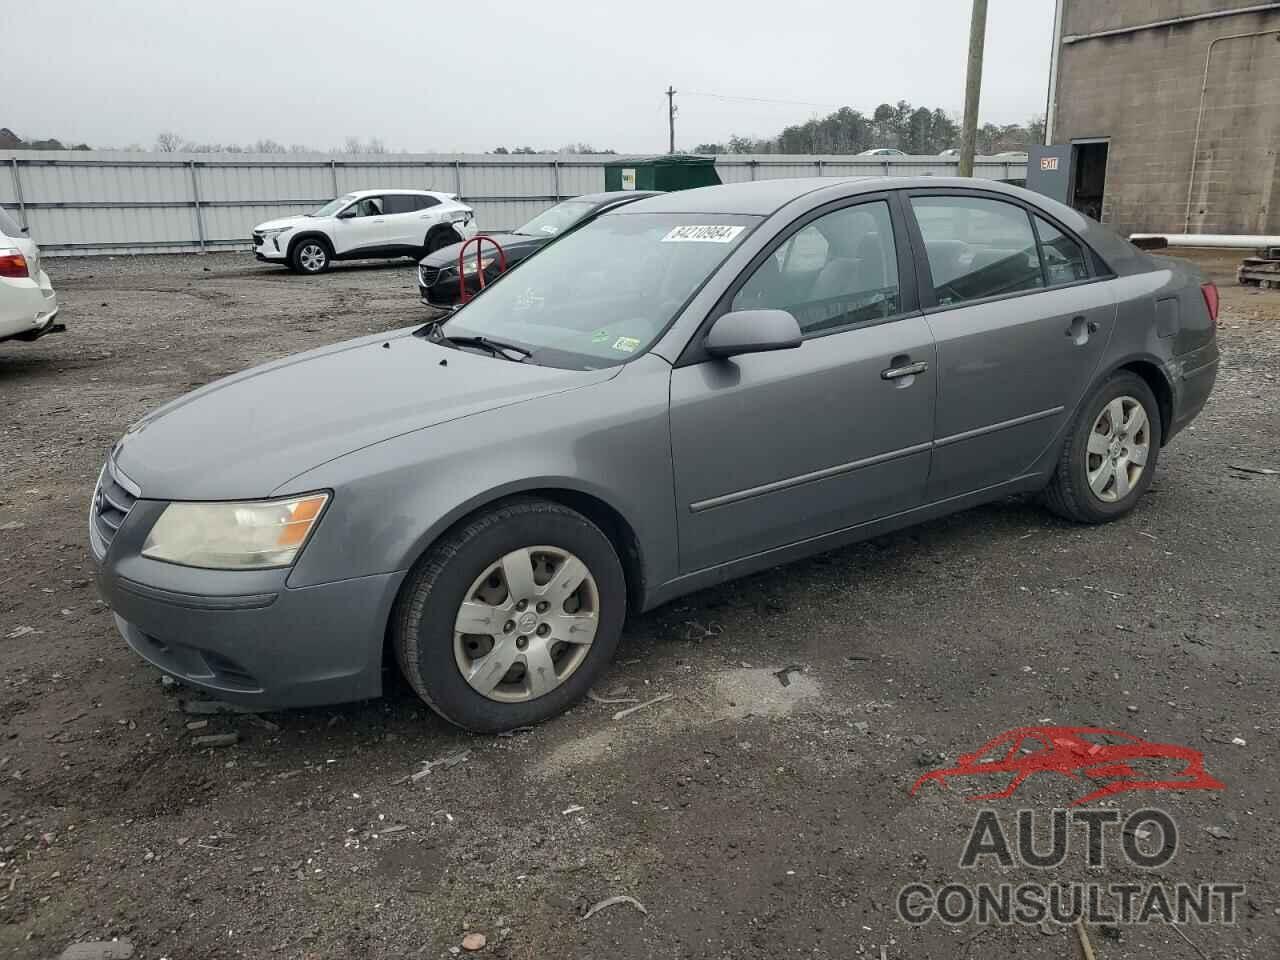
(882, 152)
(365, 225)
(28, 305)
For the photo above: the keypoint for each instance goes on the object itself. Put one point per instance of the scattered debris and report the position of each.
(19, 632)
(262, 722)
(784, 675)
(167, 681)
(596, 698)
(397, 828)
(621, 714)
(12, 525)
(75, 716)
(1264, 471)
(197, 724)
(862, 726)
(1189, 942)
(216, 740)
(1239, 741)
(518, 730)
(1082, 935)
(428, 765)
(98, 950)
(573, 808)
(473, 942)
(1218, 833)
(695, 632)
(211, 708)
(614, 901)
(1132, 708)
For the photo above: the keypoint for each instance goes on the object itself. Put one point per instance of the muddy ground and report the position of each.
(749, 817)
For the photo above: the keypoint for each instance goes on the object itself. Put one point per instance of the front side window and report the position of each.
(841, 269)
(977, 247)
(604, 293)
(367, 207)
(1064, 260)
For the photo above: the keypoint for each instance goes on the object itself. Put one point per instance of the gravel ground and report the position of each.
(750, 817)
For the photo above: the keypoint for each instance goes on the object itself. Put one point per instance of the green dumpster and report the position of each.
(669, 171)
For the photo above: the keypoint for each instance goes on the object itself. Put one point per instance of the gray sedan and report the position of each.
(690, 388)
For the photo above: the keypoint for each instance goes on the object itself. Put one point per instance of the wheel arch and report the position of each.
(591, 503)
(1154, 375)
(439, 228)
(309, 235)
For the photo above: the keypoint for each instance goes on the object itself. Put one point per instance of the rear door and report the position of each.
(401, 212)
(1021, 321)
(772, 449)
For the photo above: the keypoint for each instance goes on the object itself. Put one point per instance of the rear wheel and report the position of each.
(438, 240)
(1109, 457)
(510, 618)
(310, 256)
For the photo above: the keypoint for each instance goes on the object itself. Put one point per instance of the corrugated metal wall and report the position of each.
(92, 202)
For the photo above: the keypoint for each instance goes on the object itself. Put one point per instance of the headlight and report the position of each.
(469, 265)
(274, 232)
(234, 536)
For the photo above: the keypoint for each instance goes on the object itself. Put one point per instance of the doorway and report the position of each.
(1089, 163)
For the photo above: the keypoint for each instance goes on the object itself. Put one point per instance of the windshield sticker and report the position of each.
(702, 234)
(626, 344)
(600, 336)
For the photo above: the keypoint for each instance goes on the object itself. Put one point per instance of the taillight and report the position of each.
(1211, 301)
(13, 265)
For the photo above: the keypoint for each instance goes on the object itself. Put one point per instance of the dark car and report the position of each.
(438, 271)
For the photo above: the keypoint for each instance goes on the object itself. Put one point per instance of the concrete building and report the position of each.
(1171, 109)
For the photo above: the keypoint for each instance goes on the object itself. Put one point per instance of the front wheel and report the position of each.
(309, 256)
(512, 617)
(1109, 456)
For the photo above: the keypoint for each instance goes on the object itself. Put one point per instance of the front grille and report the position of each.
(112, 500)
(427, 276)
(258, 238)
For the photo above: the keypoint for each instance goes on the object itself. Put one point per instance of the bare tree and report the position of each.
(266, 146)
(168, 142)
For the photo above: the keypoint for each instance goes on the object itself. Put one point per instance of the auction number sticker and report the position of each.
(702, 234)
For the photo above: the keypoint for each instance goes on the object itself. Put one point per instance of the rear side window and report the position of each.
(977, 247)
(8, 227)
(1064, 260)
(399, 203)
(839, 270)
(424, 202)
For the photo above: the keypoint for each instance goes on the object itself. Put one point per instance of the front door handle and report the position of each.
(906, 370)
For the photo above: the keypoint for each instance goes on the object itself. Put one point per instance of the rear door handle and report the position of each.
(907, 370)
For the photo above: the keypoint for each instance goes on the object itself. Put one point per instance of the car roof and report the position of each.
(610, 196)
(386, 190)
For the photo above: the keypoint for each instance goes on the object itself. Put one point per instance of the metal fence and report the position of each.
(96, 202)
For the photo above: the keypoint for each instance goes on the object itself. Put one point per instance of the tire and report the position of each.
(469, 564)
(310, 255)
(1084, 488)
(438, 240)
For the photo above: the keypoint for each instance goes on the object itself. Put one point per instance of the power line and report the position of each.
(791, 103)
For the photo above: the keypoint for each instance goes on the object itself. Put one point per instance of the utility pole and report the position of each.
(973, 87)
(671, 118)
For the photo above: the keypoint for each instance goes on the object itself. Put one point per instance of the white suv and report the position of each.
(365, 225)
(28, 305)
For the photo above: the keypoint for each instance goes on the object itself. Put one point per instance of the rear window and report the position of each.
(399, 203)
(8, 226)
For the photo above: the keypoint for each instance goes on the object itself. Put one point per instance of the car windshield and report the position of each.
(556, 220)
(333, 206)
(603, 294)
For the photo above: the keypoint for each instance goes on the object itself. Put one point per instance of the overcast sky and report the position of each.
(432, 75)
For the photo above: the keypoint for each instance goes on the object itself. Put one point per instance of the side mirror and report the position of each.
(752, 331)
(347, 214)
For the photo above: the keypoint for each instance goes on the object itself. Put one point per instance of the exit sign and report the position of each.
(1048, 163)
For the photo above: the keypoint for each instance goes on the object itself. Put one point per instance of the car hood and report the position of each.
(248, 435)
(285, 222)
(515, 245)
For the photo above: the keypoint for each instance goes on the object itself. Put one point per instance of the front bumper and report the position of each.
(245, 636)
(271, 249)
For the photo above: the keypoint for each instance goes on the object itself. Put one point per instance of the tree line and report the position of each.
(913, 130)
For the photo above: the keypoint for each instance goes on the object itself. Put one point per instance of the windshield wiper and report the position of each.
(499, 348)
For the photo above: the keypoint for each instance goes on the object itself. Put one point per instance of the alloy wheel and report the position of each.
(526, 624)
(312, 257)
(1119, 445)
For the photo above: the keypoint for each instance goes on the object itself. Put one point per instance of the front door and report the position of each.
(1021, 322)
(365, 230)
(775, 448)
